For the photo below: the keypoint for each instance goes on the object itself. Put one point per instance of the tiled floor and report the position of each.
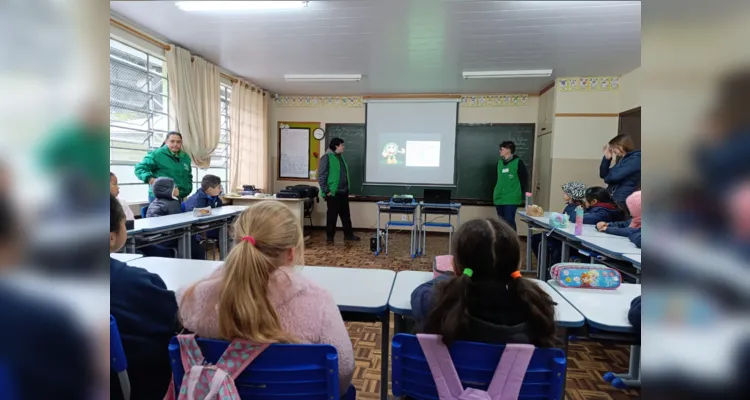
(587, 361)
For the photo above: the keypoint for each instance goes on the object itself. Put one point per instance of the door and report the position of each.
(630, 124)
(544, 167)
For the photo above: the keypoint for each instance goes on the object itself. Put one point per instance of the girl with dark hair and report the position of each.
(488, 301)
(599, 207)
(168, 161)
(624, 177)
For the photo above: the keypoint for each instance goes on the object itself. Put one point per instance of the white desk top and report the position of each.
(177, 272)
(125, 257)
(634, 258)
(182, 219)
(614, 246)
(406, 281)
(603, 309)
(588, 231)
(354, 289)
(252, 198)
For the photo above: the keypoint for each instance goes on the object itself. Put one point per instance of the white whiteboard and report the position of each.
(294, 153)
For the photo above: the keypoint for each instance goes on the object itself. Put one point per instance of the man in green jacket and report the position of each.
(333, 177)
(512, 183)
(169, 161)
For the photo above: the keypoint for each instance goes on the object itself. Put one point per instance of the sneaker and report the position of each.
(352, 238)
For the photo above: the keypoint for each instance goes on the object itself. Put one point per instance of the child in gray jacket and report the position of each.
(166, 202)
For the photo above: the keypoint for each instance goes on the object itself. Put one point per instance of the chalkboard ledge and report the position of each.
(464, 202)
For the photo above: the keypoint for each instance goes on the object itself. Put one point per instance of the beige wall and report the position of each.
(578, 140)
(630, 90)
(364, 214)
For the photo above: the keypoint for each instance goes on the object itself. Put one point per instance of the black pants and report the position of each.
(508, 213)
(338, 206)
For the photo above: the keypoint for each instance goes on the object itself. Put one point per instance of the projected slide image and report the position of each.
(393, 154)
(423, 153)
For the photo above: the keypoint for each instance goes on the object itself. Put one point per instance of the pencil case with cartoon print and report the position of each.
(586, 276)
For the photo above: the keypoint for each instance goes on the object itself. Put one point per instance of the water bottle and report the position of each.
(528, 201)
(579, 221)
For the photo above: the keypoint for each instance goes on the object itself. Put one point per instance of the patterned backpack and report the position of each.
(203, 381)
(505, 384)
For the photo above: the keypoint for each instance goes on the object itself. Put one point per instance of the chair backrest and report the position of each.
(117, 360)
(143, 211)
(283, 371)
(476, 364)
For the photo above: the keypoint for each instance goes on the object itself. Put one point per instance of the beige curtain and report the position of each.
(249, 155)
(194, 95)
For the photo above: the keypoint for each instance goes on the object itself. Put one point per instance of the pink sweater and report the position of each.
(305, 310)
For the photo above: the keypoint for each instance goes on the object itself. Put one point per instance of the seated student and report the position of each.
(146, 315)
(37, 334)
(487, 301)
(573, 193)
(634, 314)
(114, 190)
(257, 295)
(625, 228)
(635, 237)
(166, 203)
(207, 195)
(599, 207)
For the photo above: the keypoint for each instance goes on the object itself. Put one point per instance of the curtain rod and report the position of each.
(167, 47)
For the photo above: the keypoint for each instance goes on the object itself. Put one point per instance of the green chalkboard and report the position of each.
(476, 158)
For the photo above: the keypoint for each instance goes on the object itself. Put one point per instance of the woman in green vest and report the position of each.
(512, 183)
(170, 161)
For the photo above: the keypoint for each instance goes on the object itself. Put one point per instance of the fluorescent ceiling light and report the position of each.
(238, 5)
(324, 78)
(532, 73)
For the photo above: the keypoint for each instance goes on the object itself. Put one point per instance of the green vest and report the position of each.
(508, 187)
(334, 173)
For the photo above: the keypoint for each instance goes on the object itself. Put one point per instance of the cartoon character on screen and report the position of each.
(390, 151)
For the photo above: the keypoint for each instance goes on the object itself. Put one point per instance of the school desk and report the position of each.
(607, 310)
(361, 295)
(176, 272)
(634, 258)
(125, 257)
(296, 205)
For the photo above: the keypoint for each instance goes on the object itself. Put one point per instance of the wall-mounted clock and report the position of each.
(318, 133)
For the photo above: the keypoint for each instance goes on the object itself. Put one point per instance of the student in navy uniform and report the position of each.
(512, 184)
(488, 300)
(630, 228)
(43, 352)
(599, 207)
(207, 195)
(146, 315)
(573, 194)
(624, 177)
(166, 203)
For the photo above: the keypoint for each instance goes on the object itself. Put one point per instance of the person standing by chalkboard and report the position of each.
(512, 183)
(333, 177)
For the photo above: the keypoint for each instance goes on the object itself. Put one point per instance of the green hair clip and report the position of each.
(468, 272)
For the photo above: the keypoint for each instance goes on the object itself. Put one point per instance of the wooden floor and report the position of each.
(587, 360)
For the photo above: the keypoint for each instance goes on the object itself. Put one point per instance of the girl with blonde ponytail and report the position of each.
(256, 295)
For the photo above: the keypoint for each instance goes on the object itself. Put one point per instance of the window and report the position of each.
(220, 156)
(139, 119)
(138, 113)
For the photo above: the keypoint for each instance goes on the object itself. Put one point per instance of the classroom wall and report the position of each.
(630, 90)
(578, 139)
(364, 213)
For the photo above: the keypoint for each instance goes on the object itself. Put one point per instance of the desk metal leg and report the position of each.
(565, 251)
(130, 245)
(185, 245)
(633, 378)
(223, 240)
(528, 247)
(384, 355)
(541, 272)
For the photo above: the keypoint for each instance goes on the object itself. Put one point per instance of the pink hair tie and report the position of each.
(249, 239)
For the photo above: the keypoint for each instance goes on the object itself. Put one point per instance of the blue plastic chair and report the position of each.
(475, 364)
(117, 361)
(143, 211)
(282, 371)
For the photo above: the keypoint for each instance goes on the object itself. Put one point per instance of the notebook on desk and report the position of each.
(437, 196)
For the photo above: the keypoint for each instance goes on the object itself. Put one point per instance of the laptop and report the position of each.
(437, 196)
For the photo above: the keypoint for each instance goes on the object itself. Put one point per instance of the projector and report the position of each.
(402, 198)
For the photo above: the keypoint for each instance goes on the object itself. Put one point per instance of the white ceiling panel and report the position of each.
(405, 46)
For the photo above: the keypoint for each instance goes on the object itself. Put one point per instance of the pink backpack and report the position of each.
(505, 384)
(204, 381)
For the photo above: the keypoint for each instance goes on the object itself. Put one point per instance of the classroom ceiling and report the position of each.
(405, 46)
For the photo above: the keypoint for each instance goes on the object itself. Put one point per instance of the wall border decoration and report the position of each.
(588, 83)
(318, 101)
(495, 100)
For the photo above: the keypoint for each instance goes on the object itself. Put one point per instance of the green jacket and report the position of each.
(333, 172)
(162, 162)
(508, 187)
